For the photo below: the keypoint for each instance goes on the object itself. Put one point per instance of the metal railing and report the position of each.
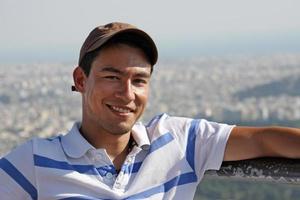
(267, 169)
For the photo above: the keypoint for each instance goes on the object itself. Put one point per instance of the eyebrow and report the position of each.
(114, 70)
(111, 69)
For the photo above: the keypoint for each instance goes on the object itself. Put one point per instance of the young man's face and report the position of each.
(116, 90)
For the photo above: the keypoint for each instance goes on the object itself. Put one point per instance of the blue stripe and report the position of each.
(165, 187)
(127, 168)
(131, 168)
(15, 174)
(136, 167)
(190, 149)
(160, 142)
(105, 169)
(156, 144)
(79, 198)
(42, 161)
(177, 181)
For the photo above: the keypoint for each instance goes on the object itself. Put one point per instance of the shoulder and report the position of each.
(167, 121)
(164, 124)
(17, 172)
(23, 154)
(18, 168)
(182, 127)
(21, 151)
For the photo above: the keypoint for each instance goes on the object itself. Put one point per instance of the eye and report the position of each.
(140, 81)
(112, 77)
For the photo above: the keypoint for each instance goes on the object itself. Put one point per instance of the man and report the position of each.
(109, 155)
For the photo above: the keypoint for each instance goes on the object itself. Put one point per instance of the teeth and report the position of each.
(122, 110)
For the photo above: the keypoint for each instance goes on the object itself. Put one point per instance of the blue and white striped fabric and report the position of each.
(168, 162)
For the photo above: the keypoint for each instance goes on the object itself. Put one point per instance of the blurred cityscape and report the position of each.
(36, 99)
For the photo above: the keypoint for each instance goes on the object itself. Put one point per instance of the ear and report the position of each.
(79, 78)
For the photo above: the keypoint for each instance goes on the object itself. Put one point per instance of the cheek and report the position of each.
(92, 99)
(143, 95)
(97, 94)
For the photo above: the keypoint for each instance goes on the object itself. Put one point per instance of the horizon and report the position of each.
(167, 51)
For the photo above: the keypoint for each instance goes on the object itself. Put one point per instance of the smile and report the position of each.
(120, 109)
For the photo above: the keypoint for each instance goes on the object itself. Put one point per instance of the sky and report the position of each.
(53, 30)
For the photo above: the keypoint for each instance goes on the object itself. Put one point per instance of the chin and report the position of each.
(120, 129)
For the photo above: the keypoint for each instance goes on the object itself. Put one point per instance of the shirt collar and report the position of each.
(75, 145)
(140, 136)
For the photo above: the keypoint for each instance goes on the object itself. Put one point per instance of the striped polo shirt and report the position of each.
(168, 161)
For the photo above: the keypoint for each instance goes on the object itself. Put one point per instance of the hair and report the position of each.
(130, 39)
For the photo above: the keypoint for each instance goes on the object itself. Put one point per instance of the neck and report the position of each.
(116, 146)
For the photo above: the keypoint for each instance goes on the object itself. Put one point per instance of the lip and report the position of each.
(120, 110)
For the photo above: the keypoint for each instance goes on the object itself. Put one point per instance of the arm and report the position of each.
(9, 188)
(252, 142)
(17, 176)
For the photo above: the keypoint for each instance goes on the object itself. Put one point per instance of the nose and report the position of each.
(126, 92)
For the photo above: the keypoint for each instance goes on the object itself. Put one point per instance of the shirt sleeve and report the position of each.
(203, 142)
(17, 180)
(210, 142)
